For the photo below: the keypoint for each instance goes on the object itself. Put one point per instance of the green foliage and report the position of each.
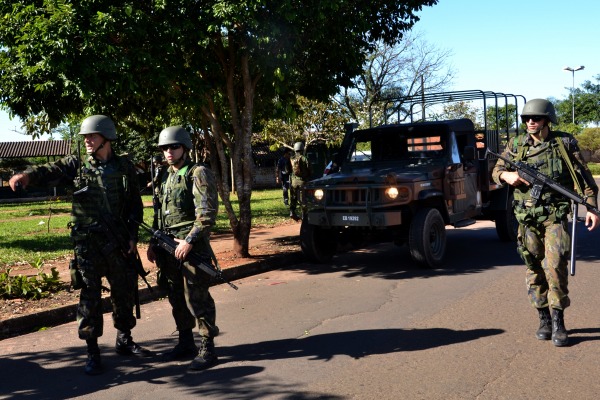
(587, 98)
(29, 287)
(589, 139)
(313, 122)
(594, 168)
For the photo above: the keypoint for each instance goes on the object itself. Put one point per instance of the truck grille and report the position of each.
(361, 196)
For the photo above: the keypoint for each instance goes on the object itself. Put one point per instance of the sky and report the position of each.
(509, 46)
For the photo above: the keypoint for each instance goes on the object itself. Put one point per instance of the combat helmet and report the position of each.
(100, 124)
(298, 146)
(175, 135)
(540, 107)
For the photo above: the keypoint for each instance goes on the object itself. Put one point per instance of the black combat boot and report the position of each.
(125, 346)
(93, 365)
(294, 216)
(559, 332)
(544, 332)
(207, 356)
(184, 349)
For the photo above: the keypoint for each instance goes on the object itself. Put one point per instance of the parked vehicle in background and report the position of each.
(405, 182)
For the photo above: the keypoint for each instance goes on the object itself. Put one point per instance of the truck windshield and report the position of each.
(376, 148)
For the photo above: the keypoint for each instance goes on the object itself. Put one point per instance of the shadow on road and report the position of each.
(59, 374)
(355, 344)
(468, 251)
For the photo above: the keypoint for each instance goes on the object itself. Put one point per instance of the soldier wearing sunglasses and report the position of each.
(543, 240)
(188, 199)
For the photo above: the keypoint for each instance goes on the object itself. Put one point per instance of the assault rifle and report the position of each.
(538, 181)
(169, 244)
(107, 225)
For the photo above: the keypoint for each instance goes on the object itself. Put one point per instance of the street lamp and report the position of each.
(573, 86)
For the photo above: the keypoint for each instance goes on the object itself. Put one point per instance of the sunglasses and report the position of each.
(534, 118)
(170, 147)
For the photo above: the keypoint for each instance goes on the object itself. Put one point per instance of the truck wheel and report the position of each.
(427, 238)
(506, 225)
(317, 244)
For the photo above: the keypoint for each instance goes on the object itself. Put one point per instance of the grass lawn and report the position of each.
(37, 232)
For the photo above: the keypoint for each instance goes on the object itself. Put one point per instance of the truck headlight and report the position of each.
(391, 193)
(318, 193)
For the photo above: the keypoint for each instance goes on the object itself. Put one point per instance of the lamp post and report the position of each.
(573, 85)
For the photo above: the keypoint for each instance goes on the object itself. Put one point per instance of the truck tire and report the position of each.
(506, 225)
(427, 238)
(318, 245)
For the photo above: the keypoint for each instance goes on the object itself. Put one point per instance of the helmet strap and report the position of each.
(95, 152)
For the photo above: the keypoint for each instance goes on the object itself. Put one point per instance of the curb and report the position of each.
(44, 319)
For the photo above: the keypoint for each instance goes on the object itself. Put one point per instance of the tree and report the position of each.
(406, 68)
(215, 64)
(315, 121)
(587, 110)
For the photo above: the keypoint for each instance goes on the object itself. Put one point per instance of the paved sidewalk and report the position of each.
(222, 246)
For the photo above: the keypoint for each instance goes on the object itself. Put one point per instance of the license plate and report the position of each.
(349, 219)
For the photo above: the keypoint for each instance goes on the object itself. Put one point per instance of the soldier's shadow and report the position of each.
(580, 335)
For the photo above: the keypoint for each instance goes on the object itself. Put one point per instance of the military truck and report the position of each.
(405, 182)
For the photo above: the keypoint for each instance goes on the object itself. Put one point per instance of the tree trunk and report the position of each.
(240, 150)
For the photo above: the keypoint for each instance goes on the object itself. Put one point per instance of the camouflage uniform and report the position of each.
(96, 255)
(298, 182)
(543, 238)
(189, 204)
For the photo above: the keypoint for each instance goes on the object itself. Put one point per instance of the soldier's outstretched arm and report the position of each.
(18, 180)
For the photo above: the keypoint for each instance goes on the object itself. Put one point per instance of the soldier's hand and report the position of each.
(132, 247)
(183, 249)
(591, 220)
(18, 180)
(513, 178)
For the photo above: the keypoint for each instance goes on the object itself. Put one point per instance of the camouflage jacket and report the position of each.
(545, 157)
(112, 187)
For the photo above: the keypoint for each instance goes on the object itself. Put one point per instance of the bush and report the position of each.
(29, 287)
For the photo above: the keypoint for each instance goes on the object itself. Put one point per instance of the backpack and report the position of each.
(299, 167)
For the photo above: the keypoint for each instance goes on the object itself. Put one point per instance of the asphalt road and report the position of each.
(371, 325)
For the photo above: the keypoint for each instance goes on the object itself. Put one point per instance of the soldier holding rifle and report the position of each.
(188, 204)
(111, 192)
(543, 240)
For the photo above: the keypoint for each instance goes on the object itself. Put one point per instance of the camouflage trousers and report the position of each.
(297, 195)
(97, 258)
(545, 248)
(187, 291)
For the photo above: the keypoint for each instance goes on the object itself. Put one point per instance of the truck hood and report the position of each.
(374, 175)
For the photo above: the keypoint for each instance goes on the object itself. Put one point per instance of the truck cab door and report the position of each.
(460, 181)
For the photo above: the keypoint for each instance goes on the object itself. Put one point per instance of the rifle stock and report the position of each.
(169, 244)
(538, 180)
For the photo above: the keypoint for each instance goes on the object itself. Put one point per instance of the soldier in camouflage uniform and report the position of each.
(300, 174)
(188, 208)
(111, 188)
(543, 237)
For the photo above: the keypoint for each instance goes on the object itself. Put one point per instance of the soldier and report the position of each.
(284, 168)
(543, 239)
(111, 188)
(157, 167)
(188, 207)
(300, 174)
